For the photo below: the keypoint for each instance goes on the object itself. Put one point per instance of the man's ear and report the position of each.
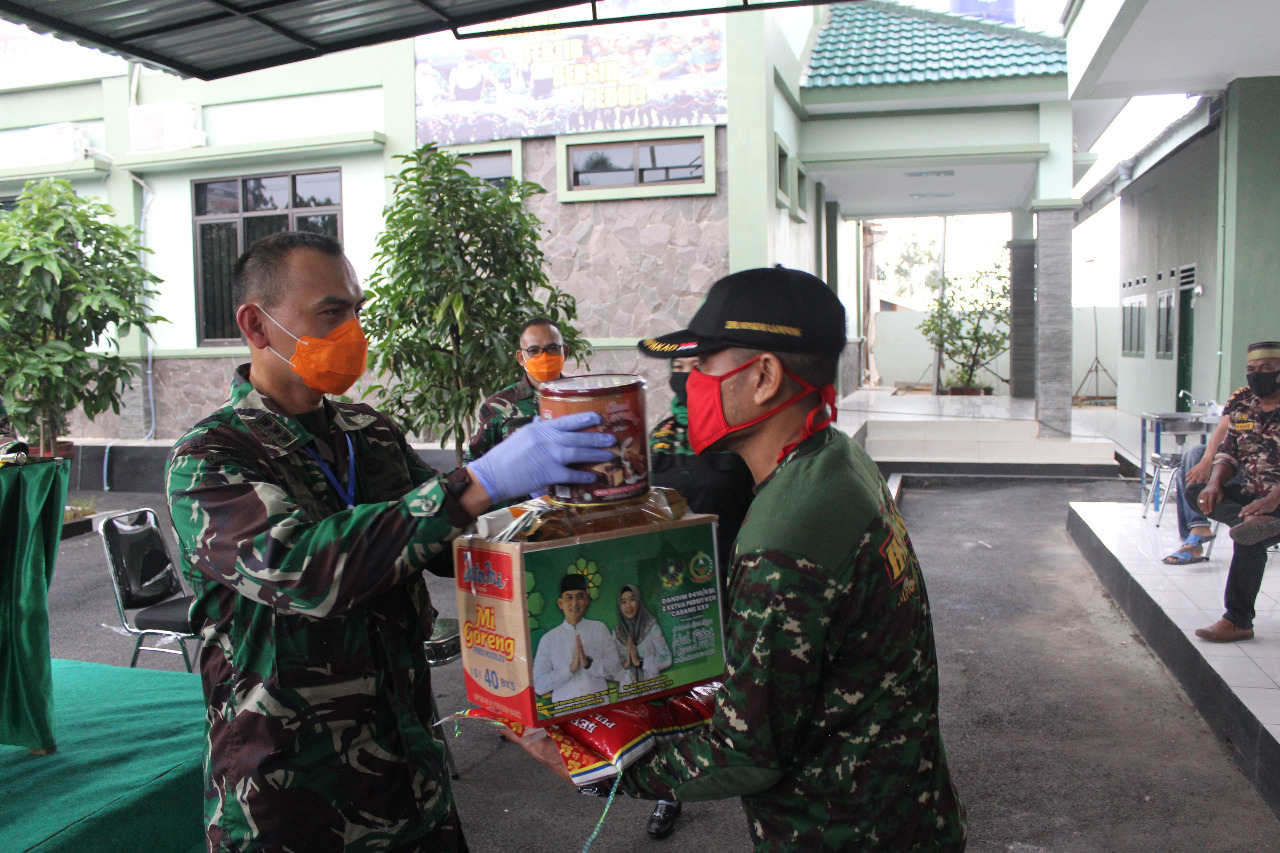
(250, 321)
(770, 381)
(520, 357)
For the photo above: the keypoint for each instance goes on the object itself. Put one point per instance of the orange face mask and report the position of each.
(332, 364)
(544, 367)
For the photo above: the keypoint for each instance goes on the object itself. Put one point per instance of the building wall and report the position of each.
(636, 267)
(1168, 220)
(1251, 222)
(903, 355)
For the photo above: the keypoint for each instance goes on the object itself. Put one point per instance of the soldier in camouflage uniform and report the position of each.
(540, 354)
(1250, 505)
(304, 526)
(827, 725)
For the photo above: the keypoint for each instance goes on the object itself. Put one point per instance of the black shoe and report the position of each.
(663, 820)
(1256, 530)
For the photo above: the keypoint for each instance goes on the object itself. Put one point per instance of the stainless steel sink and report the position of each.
(1182, 423)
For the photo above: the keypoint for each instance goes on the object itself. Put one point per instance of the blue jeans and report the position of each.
(1248, 562)
(1189, 515)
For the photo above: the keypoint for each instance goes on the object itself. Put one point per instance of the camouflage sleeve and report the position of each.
(1229, 451)
(1236, 400)
(235, 525)
(771, 686)
(484, 437)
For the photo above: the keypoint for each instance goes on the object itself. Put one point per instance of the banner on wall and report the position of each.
(659, 73)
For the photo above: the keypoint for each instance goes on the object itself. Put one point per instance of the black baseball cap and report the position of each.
(771, 308)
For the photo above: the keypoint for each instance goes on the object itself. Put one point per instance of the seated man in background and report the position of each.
(1196, 465)
(1250, 505)
(541, 353)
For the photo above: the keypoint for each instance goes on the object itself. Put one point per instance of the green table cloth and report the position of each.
(32, 498)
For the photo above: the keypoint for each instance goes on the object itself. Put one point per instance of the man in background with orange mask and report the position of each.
(541, 352)
(305, 525)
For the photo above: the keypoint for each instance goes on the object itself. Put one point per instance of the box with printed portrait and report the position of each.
(553, 629)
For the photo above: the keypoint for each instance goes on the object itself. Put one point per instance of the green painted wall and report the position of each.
(750, 141)
(1251, 222)
(1168, 220)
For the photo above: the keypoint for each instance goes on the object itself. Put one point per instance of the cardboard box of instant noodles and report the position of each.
(554, 628)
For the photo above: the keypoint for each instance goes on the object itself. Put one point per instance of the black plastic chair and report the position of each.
(146, 580)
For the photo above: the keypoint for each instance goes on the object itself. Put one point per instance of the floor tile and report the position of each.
(1263, 702)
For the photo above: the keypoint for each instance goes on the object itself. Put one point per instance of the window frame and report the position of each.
(705, 186)
(784, 168)
(239, 217)
(1133, 313)
(514, 147)
(1166, 323)
(803, 188)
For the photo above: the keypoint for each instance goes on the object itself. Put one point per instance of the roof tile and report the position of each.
(874, 42)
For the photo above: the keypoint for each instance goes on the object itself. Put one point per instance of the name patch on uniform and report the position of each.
(897, 558)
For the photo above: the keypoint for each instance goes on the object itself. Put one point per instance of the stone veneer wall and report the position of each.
(637, 267)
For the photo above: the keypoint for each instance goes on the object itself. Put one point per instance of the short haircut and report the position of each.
(256, 274)
(817, 369)
(537, 321)
(573, 581)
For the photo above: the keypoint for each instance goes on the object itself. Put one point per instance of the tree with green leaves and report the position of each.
(914, 273)
(969, 323)
(72, 283)
(458, 273)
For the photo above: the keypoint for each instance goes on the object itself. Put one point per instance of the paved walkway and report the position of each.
(1235, 686)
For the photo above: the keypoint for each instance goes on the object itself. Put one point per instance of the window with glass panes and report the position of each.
(231, 213)
(492, 166)
(634, 164)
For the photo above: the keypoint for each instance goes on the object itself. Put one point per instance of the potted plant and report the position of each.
(72, 284)
(458, 273)
(969, 326)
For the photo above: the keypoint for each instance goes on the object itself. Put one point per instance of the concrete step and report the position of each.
(981, 441)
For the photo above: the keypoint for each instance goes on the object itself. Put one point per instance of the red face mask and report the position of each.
(707, 423)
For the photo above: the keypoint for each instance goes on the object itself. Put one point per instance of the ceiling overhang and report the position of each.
(1125, 48)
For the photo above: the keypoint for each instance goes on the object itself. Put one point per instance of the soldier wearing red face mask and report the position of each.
(541, 352)
(827, 724)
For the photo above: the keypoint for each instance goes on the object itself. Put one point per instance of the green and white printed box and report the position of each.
(553, 629)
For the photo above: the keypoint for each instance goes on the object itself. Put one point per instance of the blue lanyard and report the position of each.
(348, 493)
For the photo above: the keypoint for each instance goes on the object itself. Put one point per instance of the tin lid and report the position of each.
(591, 385)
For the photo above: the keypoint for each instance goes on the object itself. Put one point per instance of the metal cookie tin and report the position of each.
(619, 398)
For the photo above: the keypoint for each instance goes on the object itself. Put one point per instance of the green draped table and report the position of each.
(32, 498)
